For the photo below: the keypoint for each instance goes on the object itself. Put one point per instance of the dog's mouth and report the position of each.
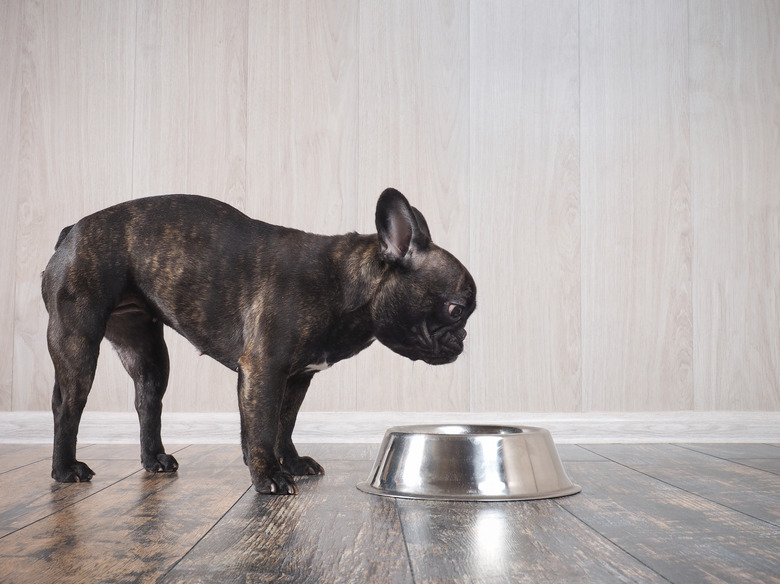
(433, 344)
(438, 345)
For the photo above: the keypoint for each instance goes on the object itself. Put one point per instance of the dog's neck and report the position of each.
(360, 268)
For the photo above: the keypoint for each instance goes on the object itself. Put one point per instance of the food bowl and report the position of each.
(468, 463)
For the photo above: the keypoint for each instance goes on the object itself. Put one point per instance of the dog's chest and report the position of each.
(328, 358)
(314, 367)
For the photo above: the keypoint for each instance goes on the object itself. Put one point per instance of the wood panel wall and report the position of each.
(637, 241)
(609, 171)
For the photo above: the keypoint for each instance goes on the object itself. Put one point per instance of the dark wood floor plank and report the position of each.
(97, 452)
(30, 494)
(761, 456)
(13, 456)
(572, 452)
(766, 464)
(329, 532)
(133, 530)
(659, 511)
(512, 542)
(736, 451)
(746, 489)
(683, 537)
(324, 452)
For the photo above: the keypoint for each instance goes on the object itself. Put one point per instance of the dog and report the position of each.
(274, 304)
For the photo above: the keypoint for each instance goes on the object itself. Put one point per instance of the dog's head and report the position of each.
(426, 296)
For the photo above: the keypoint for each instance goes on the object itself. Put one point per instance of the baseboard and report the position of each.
(369, 427)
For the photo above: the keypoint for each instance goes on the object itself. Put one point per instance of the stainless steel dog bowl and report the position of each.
(468, 463)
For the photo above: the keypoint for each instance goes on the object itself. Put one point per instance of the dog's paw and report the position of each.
(301, 466)
(161, 463)
(78, 472)
(280, 483)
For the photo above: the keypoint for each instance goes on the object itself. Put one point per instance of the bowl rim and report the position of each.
(477, 430)
(368, 488)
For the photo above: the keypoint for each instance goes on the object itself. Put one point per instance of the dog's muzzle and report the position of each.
(439, 346)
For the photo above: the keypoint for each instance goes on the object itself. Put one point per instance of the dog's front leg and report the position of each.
(260, 394)
(286, 452)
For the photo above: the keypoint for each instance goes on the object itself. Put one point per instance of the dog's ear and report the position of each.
(422, 223)
(401, 229)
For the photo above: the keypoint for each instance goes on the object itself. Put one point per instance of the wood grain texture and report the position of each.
(735, 135)
(42, 496)
(679, 535)
(303, 134)
(607, 170)
(190, 136)
(535, 541)
(14, 456)
(642, 517)
(760, 456)
(75, 157)
(303, 114)
(525, 209)
(739, 487)
(154, 520)
(636, 207)
(767, 464)
(328, 533)
(11, 27)
(414, 71)
(190, 104)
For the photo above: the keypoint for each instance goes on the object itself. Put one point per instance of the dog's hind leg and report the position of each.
(138, 339)
(74, 353)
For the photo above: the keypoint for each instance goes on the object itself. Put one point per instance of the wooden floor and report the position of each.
(647, 513)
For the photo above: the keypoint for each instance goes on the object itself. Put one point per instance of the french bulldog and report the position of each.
(274, 304)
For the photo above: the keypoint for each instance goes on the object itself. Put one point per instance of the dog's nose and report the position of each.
(461, 334)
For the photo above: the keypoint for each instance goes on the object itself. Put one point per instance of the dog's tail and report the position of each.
(63, 235)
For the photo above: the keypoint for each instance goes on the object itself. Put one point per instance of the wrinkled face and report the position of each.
(421, 311)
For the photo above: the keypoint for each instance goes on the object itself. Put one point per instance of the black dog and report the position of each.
(272, 303)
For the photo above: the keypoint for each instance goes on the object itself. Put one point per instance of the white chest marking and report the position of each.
(314, 367)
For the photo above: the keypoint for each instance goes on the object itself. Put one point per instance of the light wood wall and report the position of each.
(609, 171)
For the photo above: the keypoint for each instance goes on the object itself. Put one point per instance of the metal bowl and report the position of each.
(468, 463)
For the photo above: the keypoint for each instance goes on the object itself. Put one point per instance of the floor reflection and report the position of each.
(478, 537)
(490, 536)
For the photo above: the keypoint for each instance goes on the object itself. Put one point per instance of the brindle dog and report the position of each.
(272, 303)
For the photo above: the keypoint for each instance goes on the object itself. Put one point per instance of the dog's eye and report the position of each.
(455, 310)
